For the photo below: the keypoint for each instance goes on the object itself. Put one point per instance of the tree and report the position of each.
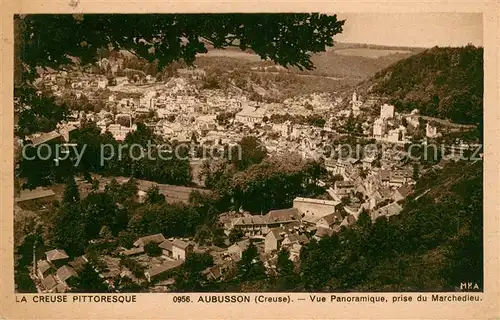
(416, 172)
(71, 193)
(203, 235)
(248, 151)
(284, 266)
(69, 231)
(154, 196)
(235, 235)
(152, 249)
(190, 278)
(350, 125)
(250, 267)
(88, 281)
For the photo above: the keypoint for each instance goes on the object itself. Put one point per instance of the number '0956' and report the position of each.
(180, 299)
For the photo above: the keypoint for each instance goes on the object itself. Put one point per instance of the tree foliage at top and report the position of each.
(287, 39)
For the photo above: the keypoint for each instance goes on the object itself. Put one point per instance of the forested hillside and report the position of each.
(434, 244)
(440, 82)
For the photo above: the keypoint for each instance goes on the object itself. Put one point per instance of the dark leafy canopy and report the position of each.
(287, 39)
(37, 112)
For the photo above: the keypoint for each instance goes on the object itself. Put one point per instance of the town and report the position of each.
(180, 109)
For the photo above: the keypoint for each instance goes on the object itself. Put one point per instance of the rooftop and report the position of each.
(49, 282)
(167, 266)
(66, 272)
(180, 244)
(56, 254)
(316, 201)
(38, 193)
(156, 238)
(282, 215)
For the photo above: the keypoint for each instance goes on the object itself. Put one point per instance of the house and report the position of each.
(279, 218)
(61, 287)
(39, 139)
(389, 210)
(65, 272)
(286, 235)
(162, 269)
(250, 226)
(315, 207)
(398, 178)
(294, 238)
(250, 115)
(385, 177)
(56, 256)
(67, 131)
(379, 128)
(38, 194)
(133, 251)
(431, 131)
(295, 251)
(401, 193)
(356, 208)
(79, 263)
(368, 162)
(167, 248)
(213, 273)
(385, 193)
(43, 268)
(181, 249)
(310, 220)
(322, 232)
(238, 248)
(219, 271)
(329, 221)
(155, 238)
(348, 221)
(273, 240)
(102, 84)
(343, 188)
(340, 166)
(49, 283)
(387, 111)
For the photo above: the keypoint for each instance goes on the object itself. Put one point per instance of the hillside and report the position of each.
(434, 244)
(336, 70)
(347, 61)
(441, 82)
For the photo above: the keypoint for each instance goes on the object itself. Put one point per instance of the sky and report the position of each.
(412, 29)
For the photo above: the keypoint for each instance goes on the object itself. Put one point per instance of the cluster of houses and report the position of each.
(55, 273)
(174, 252)
(308, 218)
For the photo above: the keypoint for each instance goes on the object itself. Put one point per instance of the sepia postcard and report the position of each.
(250, 160)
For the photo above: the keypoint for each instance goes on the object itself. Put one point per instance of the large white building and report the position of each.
(250, 115)
(378, 128)
(148, 100)
(430, 131)
(387, 111)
